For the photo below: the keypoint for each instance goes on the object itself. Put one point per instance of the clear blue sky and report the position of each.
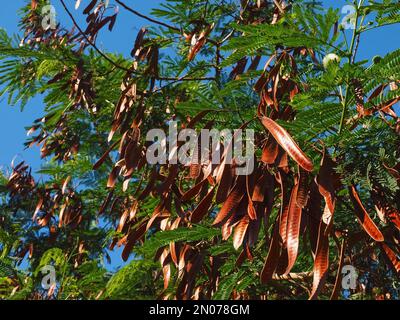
(12, 121)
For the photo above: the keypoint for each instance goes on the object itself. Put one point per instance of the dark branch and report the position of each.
(176, 80)
(91, 42)
(186, 79)
(147, 18)
(156, 21)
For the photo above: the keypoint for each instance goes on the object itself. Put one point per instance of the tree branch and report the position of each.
(294, 276)
(156, 21)
(278, 5)
(147, 18)
(186, 78)
(176, 80)
(91, 42)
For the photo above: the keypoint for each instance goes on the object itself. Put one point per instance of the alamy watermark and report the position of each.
(49, 20)
(210, 147)
(349, 278)
(49, 278)
(349, 20)
(49, 16)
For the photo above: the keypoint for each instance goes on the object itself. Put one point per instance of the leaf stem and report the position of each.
(351, 56)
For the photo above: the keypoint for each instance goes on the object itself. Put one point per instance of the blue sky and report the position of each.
(13, 121)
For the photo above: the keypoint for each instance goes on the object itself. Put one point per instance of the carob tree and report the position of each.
(324, 192)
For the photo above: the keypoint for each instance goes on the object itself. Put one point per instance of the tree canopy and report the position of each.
(324, 192)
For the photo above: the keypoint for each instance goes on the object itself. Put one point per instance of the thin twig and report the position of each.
(217, 66)
(205, 10)
(89, 41)
(146, 17)
(176, 80)
(186, 78)
(353, 59)
(227, 37)
(156, 21)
